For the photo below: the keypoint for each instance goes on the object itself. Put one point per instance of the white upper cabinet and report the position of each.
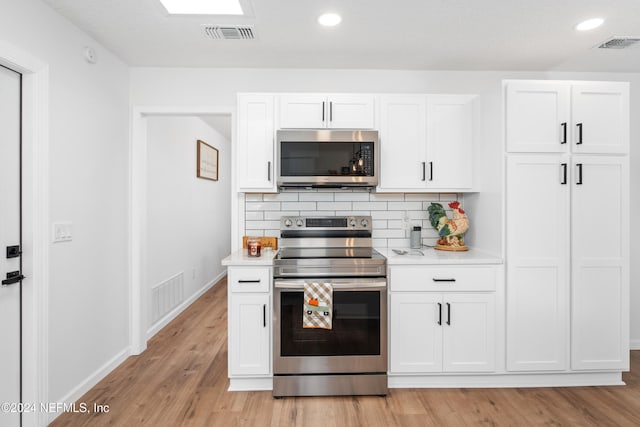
(600, 113)
(558, 117)
(426, 142)
(255, 152)
(537, 116)
(403, 136)
(337, 111)
(450, 141)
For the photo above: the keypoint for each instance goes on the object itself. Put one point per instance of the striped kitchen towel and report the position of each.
(318, 305)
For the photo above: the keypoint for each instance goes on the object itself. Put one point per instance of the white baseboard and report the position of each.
(90, 382)
(157, 327)
(251, 384)
(507, 380)
(634, 344)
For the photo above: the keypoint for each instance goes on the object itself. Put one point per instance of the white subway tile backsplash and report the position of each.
(395, 223)
(372, 206)
(317, 213)
(276, 215)
(253, 197)
(352, 197)
(392, 213)
(379, 224)
(386, 234)
(405, 206)
(422, 214)
(281, 197)
(262, 206)
(333, 206)
(353, 213)
(448, 197)
(299, 206)
(379, 243)
(387, 214)
(315, 197)
(262, 225)
(254, 215)
(385, 197)
(422, 197)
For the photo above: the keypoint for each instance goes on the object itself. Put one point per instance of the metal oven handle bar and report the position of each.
(373, 283)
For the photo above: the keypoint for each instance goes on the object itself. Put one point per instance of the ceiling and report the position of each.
(534, 35)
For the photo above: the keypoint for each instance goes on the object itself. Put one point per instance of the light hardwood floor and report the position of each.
(181, 380)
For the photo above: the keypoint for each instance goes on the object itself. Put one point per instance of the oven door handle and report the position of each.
(376, 283)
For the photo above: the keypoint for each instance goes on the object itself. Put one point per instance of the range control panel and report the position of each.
(326, 223)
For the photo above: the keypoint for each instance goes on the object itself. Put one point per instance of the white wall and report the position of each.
(188, 218)
(88, 294)
(218, 87)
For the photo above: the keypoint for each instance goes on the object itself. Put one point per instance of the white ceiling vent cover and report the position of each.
(229, 32)
(620, 42)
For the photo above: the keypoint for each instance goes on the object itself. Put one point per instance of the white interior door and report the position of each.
(9, 236)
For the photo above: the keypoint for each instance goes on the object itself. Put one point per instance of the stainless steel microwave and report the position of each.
(327, 158)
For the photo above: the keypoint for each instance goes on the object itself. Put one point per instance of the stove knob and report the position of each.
(299, 222)
(352, 222)
(288, 223)
(364, 223)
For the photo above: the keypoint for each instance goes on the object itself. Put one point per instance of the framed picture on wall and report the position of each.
(207, 161)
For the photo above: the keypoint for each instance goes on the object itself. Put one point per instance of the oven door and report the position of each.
(357, 341)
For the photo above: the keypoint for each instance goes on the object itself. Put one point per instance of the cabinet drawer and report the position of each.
(249, 279)
(442, 278)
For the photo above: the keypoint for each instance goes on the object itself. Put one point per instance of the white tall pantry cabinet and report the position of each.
(567, 225)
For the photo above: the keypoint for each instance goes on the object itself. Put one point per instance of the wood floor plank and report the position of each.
(181, 380)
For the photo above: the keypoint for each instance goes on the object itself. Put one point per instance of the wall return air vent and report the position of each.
(229, 32)
(621, 42)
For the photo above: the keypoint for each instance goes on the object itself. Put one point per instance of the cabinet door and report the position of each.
(600, 266)
(346, 111)
(303, 111)
(415, 336)
(254, 156)
(449, 141)
(537, 116)
(537, 252)
(402, 142)
(600, 117)
(249, 334)
(469, 336)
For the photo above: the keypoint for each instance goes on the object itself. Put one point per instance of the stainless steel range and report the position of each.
(350, 358)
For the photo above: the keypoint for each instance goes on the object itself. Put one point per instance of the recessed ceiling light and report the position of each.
(589, 24)
(329, 19)
(203, 7)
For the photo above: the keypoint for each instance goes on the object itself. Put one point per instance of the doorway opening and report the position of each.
(174, 214)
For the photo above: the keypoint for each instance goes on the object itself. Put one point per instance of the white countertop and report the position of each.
(242, 258)
(432, 256)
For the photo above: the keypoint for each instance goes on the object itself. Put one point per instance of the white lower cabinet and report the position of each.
(249, 321)
(442, 332)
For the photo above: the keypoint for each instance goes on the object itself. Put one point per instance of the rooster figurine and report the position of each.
(451, 230)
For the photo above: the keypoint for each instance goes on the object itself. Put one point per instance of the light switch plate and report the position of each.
(62, 232)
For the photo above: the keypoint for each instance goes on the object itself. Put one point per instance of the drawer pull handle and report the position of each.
(435, 279)
(249, 281)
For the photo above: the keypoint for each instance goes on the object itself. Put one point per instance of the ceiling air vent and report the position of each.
(621, 42)
(229, 32)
